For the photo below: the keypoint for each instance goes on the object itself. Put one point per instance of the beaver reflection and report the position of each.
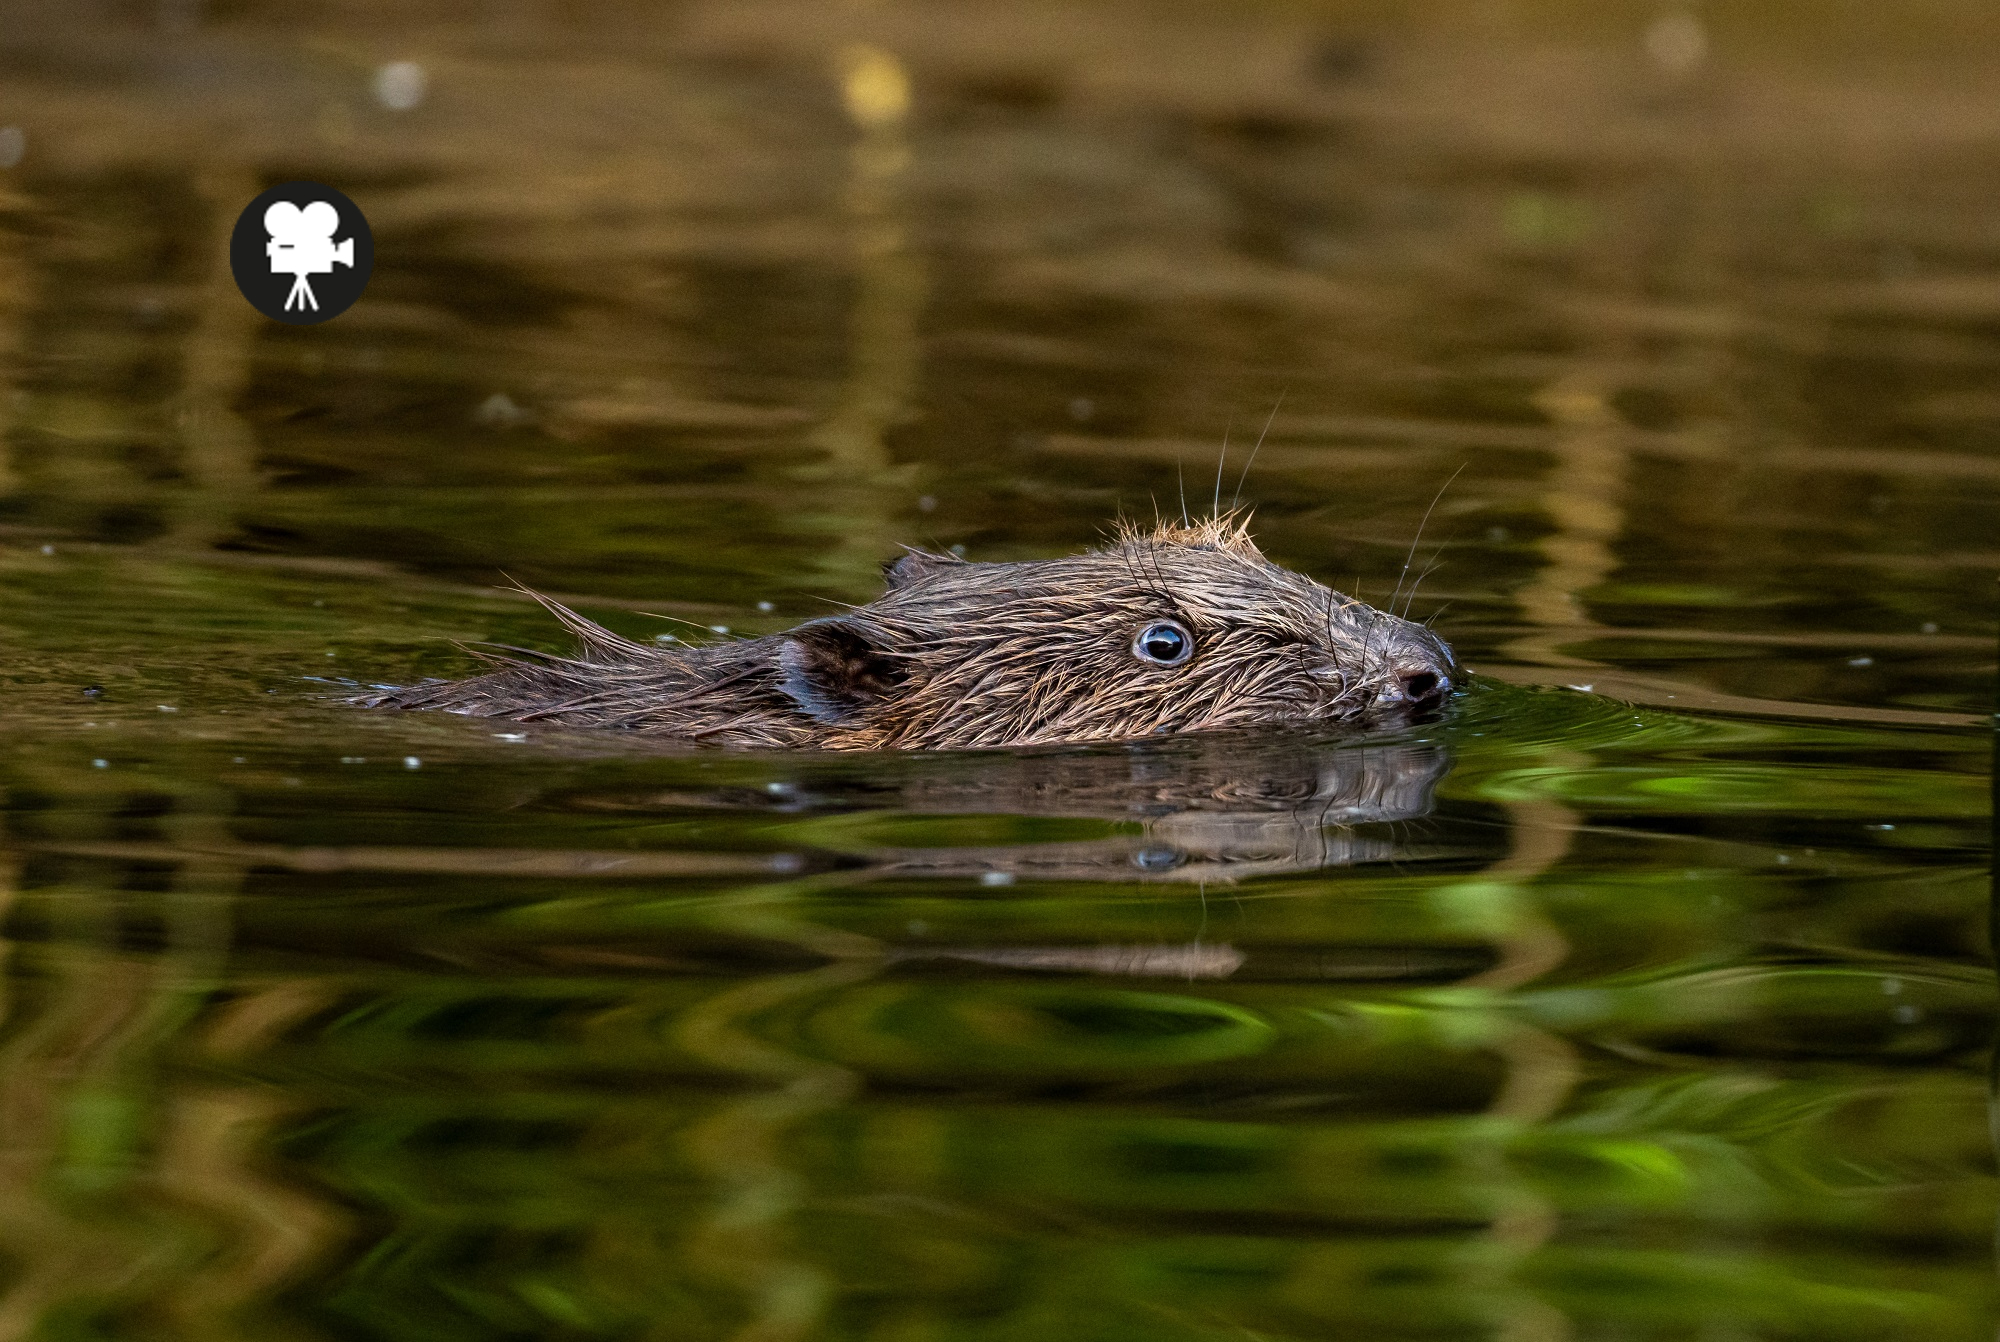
(1210, 814)
(1233, 809)
(1182, 628)
(1206, 810)
(1202, 811)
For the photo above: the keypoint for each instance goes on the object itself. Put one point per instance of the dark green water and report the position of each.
(1647, 995)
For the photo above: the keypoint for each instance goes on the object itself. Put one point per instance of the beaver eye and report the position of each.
(1164, 643)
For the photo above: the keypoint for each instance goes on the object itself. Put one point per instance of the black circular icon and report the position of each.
(301, 253)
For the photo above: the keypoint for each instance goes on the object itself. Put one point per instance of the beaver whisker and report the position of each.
(1429, 569)
(1215, 509)
(1417, 539)
(1146, 554)
(1268, 422)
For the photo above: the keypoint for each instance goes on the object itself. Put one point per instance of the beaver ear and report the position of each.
(833, 671)
(916, 564)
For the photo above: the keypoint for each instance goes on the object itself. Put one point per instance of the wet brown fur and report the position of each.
(958, 655)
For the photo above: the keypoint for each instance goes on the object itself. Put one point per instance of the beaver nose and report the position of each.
(1419, 684)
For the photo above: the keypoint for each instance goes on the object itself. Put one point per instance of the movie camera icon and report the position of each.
(302, 244)
(314, 234)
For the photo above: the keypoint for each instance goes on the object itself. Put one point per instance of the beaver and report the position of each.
(1181, 627)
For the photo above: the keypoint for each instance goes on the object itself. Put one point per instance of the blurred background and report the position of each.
(1646, 996)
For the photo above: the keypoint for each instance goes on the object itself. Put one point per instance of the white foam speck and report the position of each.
(401, 85)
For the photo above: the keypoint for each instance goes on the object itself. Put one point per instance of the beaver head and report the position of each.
(1174, 629)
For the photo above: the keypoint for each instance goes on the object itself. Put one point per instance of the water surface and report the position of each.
(1647, 994)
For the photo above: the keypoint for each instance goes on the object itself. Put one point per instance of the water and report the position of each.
(1647, 995)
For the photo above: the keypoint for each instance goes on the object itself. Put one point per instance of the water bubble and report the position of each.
(997, 878)
(765, 607)
(48, 549)
(1861, 661)
(92, 691)
(874, 86)
(400, 85)
(412, 762)
(1677, 42)
(510, 736)
(1081, 409)
(166, 708)
(927, 504)
(353, 759)
(1890, 987)
(1907, 1014)
(718, 629)
(499, 411)
(100, 764)
(1930, 627)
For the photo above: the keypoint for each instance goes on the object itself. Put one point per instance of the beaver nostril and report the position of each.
(1420, 685)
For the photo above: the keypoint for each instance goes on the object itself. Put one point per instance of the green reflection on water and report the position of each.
(494, 1104)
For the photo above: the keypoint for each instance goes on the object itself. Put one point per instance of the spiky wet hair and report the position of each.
(959, 655)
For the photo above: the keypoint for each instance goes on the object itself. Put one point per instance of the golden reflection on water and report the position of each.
(111, 1171)
(749, 1240)
(883, 355)
(15, 278)
(1585, 504)
(217, 449)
